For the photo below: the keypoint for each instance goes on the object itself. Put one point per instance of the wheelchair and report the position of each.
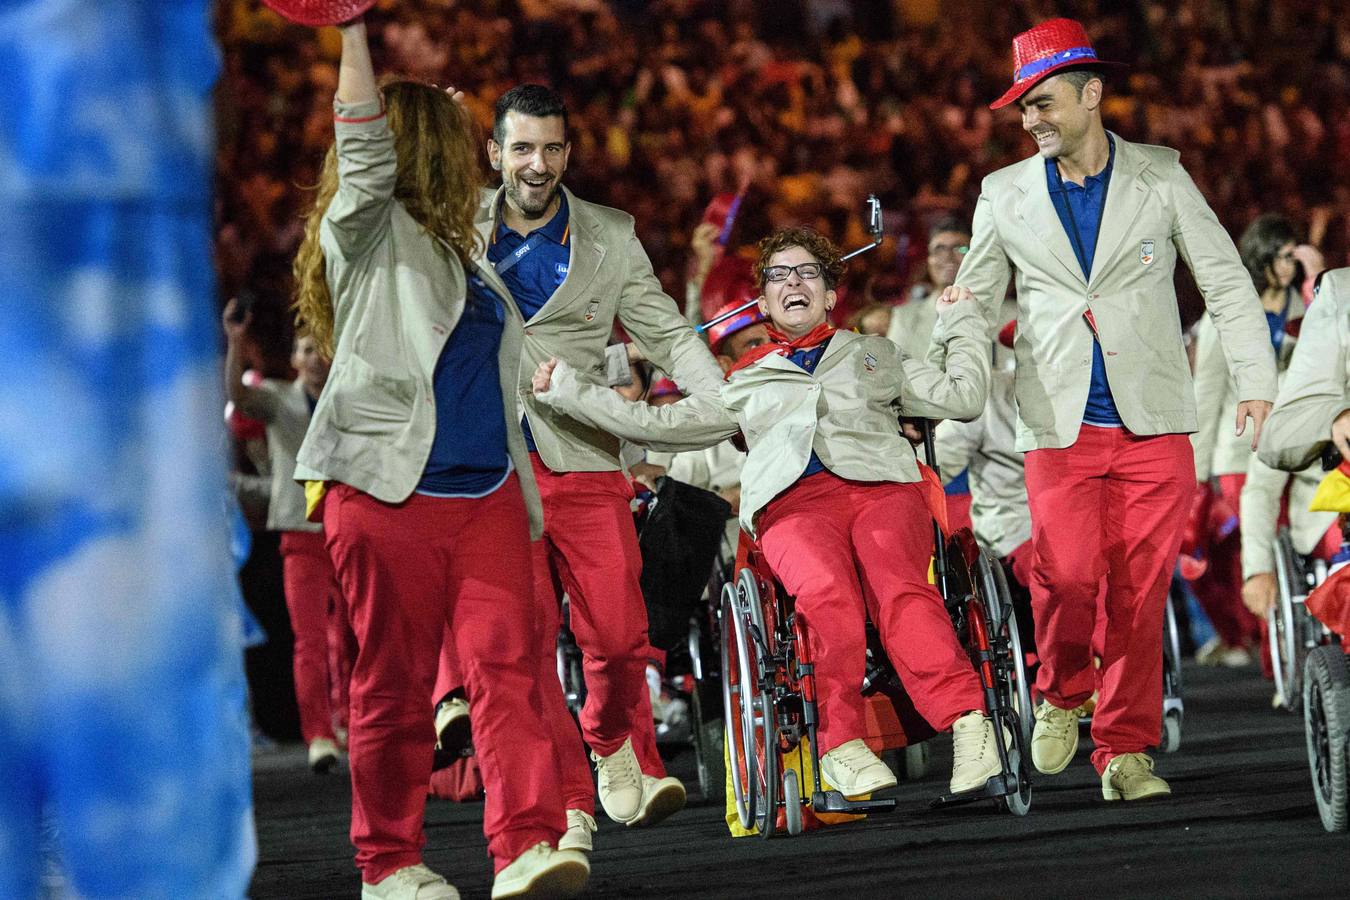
(1325, 694)
(1291, 631)
(768, 687)
(1174, 709)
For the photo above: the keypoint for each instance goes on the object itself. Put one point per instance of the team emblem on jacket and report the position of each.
(1146, 252)
(870, 363)
(592, 310)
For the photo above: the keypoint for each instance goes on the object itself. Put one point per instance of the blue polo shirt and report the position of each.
(536, 274)
(1276, 322)
(808, 360)
(538, 270)
(468, 454)
(1080, 212)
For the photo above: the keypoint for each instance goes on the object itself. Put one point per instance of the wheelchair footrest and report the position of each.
(997, 786)
(835, 802)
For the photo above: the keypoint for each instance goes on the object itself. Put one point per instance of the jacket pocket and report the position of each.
(368, 402)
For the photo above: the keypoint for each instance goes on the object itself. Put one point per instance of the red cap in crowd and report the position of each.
(739, 322)
(663, 387)
(1045, 49)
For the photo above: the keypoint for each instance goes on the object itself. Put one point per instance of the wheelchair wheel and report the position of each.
(1170, 742)
(1007, 675)
(792, 803)
(1287, 623)
(749, 711)
(1326, 723)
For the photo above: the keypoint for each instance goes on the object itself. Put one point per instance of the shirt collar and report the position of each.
(1092, 182)
(555, 229)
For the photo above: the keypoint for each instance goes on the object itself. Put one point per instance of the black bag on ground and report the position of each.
(680, 535)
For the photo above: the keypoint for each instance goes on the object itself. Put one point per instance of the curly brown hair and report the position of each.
(810, 240)
(437, 181)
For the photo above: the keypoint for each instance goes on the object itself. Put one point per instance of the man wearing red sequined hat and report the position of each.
(1091, 227)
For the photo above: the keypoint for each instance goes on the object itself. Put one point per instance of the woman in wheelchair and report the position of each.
(833, 493)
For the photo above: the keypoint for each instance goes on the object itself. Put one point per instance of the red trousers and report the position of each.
(1219, 590)
(590, 550)
(407, 570)
(323, 651)
(1110, 509)
(846, 550)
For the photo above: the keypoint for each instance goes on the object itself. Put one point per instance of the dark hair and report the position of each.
(1079, 76)
(1261, 243)
(948, 222)
(810, 240)
(528, 100)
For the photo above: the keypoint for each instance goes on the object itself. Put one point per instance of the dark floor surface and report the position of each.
(1241, 823)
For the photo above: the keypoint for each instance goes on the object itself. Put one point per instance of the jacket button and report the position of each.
(529, 331)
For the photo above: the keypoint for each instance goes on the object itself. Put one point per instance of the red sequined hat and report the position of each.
(1045, 49)
(739, 322)
(319, 12)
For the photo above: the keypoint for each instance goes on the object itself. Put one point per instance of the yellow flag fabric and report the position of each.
(314, 491)
(1333, 494)
(799, 761)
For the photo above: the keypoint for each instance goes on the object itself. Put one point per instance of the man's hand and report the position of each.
(1340, 433)
(953, 295)
(1258, 593)
(542, 379)
(733, 496)
(1258, 411)
(703, 244)
(912, 429)
(646, 473)
(235, 325)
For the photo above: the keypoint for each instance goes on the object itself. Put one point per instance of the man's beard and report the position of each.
(531, 210)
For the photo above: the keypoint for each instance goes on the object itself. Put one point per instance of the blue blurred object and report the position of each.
(121, 679)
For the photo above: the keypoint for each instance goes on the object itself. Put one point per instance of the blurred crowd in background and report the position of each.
(812, 104)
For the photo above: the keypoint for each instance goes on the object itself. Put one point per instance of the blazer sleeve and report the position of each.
(1259, 515)
(1211, 389)
(358, 216)
(655, 324)
(1314, 391)
(1226, 287)
(699, 421)
(953, 382)
(985, 272)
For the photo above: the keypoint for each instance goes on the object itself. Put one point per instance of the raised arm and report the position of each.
(358, 215)
(694, 423)
(953, 383)
(984, 272)
(254, 403)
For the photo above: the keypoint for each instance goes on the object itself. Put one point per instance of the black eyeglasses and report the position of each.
(805, 271)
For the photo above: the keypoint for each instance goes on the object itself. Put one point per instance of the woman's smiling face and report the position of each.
(800, 301)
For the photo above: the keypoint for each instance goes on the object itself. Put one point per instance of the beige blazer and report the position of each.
(284, 407)
(846, 411)
(1316, 388)
(1218, 450)
(1154, 214)
(397, 294)
(609, 278)
(998, 487)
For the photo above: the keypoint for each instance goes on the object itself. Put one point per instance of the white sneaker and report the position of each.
(619, 783)
(661, 799)
(452, 725)
(974, 753)
(580, 829)
(410, 883)
(542, 872)
(323, 755)
(1054, 740)
(855, 770)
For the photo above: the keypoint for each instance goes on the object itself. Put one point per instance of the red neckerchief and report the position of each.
(782, 344)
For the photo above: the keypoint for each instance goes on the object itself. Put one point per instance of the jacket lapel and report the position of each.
(1038, 212)
(1125, 199)
(839, 343)
(586, 253)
